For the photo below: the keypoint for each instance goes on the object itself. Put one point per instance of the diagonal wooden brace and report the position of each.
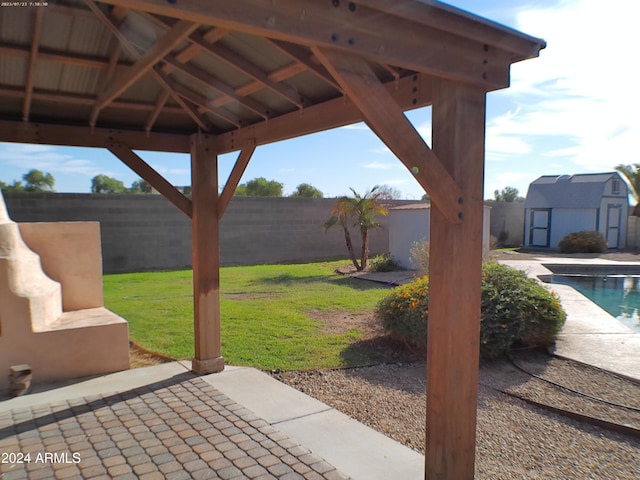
(153, 178)
(234, 178)
(386, 119)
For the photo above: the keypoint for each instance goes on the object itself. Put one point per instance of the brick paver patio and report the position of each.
(181, 428)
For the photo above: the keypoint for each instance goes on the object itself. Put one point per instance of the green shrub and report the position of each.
(586, 241)
(514, 309)
(383, 263)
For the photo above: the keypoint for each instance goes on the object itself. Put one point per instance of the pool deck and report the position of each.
(590, 334)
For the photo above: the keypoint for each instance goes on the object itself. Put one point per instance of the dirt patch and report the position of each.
(339, 322)
(140, 357)
(374, 346)
(250, 295)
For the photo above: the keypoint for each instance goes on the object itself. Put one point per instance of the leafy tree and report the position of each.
(387, 192)
(140, 186)
(426, 197)
(260, 187)
(507, 194)
(361, 211)
(105, 184)
(16, 186)
(307, 191)
(37, 181)
(632, 175)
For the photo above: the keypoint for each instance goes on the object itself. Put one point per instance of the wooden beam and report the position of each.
(234, 178)
(206, 257)
(210, 81)
(153, 116)
(455, 270)
(159, 76)
(409, 92)
(64, 58)
(146, 62)
(153, 178)
(35, 42)
(302, 56)
(363, 31)
(204, 104)
(80, 136)
(385, 118)
(76, 99)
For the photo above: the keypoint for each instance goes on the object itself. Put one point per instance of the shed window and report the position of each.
(615, 186)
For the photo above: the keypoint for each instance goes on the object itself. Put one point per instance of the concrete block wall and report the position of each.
(507, 217)
(146, 232)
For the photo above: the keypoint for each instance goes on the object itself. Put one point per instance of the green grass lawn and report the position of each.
(264, 313)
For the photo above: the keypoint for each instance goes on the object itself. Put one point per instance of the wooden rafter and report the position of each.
(244, 66)
(63, 58)
(153, 178)
(75, 99)
(301, 56)
(408, 92)
(35, 41)
(210, 81)
(160, 78)
(236, 61)
(385, 118)
(405, 42)
(203, 103)
(153, 116)
(234, 178)
(184, 56)
(146, 62)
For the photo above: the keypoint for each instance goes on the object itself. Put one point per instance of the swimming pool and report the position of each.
(618, 294)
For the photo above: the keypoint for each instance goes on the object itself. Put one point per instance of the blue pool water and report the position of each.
(617, 294)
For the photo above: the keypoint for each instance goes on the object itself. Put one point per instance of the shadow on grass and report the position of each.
(287, 279)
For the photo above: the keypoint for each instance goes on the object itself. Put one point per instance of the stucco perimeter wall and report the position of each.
(146, 232)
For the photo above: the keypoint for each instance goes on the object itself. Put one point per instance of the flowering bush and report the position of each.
(514, 309)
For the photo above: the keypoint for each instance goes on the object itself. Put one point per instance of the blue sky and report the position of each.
(573, 110)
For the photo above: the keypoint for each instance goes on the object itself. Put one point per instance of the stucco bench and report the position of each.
(52, 316)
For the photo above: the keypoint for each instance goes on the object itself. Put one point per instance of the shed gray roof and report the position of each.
(570, 191)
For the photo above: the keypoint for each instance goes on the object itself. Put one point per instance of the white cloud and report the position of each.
(380, 165)
(581, 91)
(46, 158)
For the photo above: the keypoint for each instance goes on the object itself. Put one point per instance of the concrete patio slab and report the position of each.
(355, 449)
(590, 334)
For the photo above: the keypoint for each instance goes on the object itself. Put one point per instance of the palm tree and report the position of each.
(632, 175)
(362, 210)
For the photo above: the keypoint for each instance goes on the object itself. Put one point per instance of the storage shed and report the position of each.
(557, 205)
(410, 224)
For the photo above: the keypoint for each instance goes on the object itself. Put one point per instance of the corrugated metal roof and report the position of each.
(570, 191)
(264, 75)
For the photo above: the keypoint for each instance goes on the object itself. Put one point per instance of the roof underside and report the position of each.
(241, 70)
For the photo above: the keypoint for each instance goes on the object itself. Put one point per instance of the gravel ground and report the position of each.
(514, 439)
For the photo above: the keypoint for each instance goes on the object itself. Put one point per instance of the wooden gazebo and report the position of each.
(215, 76)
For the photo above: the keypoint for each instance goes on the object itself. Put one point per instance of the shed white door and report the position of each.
(539, 227)
(614, 214)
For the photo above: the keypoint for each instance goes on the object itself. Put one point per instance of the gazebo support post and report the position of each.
(455, 269)
(206, 256)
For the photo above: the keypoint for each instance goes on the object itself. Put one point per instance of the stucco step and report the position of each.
(91, 317)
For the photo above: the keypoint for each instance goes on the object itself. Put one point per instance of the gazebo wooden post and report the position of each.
(455, 268)
(206, 256)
